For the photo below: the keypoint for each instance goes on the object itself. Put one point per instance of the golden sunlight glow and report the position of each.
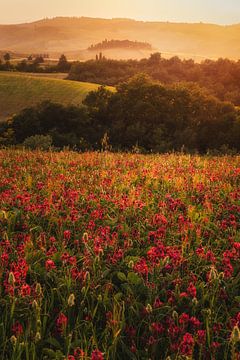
(214, 11)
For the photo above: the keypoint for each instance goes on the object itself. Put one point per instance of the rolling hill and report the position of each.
(73, 36)
(18, 91)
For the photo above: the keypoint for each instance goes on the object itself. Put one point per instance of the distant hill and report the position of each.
(18, 91)
(73, 36)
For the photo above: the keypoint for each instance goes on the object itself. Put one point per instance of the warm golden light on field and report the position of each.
(119, 179)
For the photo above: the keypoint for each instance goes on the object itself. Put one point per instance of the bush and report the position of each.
(42, 142)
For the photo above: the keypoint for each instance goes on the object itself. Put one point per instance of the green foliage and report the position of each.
(140, 114)
(41, 142)
(63, 65)
(161, 118)
(221, 78)
(65, 125)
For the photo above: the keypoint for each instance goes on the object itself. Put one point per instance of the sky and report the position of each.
(208, 11)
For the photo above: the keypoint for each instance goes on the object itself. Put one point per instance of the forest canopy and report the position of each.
(221, 77)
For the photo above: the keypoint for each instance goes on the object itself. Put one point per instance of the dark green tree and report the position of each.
(7, 57)
(63, 65)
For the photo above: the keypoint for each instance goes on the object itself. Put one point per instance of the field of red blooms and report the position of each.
(119, 256)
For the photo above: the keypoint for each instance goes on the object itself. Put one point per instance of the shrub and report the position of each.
(42, 142)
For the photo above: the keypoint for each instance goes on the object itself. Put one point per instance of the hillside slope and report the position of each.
(74, 35)
(18, 91)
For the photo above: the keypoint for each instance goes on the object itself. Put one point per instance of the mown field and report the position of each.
(18, 91)
(119, 256)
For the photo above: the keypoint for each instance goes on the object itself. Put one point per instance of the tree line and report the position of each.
(120, 44)
(220, 77)
(35, 64)
(141, 114)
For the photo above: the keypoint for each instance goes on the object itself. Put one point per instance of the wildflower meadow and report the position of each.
(119, 256)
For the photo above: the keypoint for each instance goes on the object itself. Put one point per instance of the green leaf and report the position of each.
(50, 353)
(118, 296)
(121, 276)
(133, 278)
(54, 342)
(2, 332)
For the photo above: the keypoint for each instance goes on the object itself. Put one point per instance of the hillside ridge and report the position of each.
(73, 35)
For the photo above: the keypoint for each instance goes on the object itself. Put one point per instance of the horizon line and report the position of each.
(22, 22)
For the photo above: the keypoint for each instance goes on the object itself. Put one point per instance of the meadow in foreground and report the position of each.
(119, 256)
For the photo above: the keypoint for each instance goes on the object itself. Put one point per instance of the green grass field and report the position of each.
(18, 91)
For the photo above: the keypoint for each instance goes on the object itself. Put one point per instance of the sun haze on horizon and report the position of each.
(216, 11)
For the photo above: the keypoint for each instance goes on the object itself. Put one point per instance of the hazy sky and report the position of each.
(213, 11)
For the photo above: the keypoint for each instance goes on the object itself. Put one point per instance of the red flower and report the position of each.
(141, 267)
(191, 290)
(195, 322)
(67, 234)
(61, 322)
(157, 328)
(201, 336)
(17, 329)
(97, 355)
(186, 346)
(4, 258)
(157, 303)
(215, 345)
(131, 331)
(184, 319)
(25, 290)
(49, 265)
(183, 295)
(78, 353)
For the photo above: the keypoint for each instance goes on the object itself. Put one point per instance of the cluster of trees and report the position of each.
(221, 77)
(35, 64)
(66, 125)
(43, 56)
(120, 44)
(140, 113)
